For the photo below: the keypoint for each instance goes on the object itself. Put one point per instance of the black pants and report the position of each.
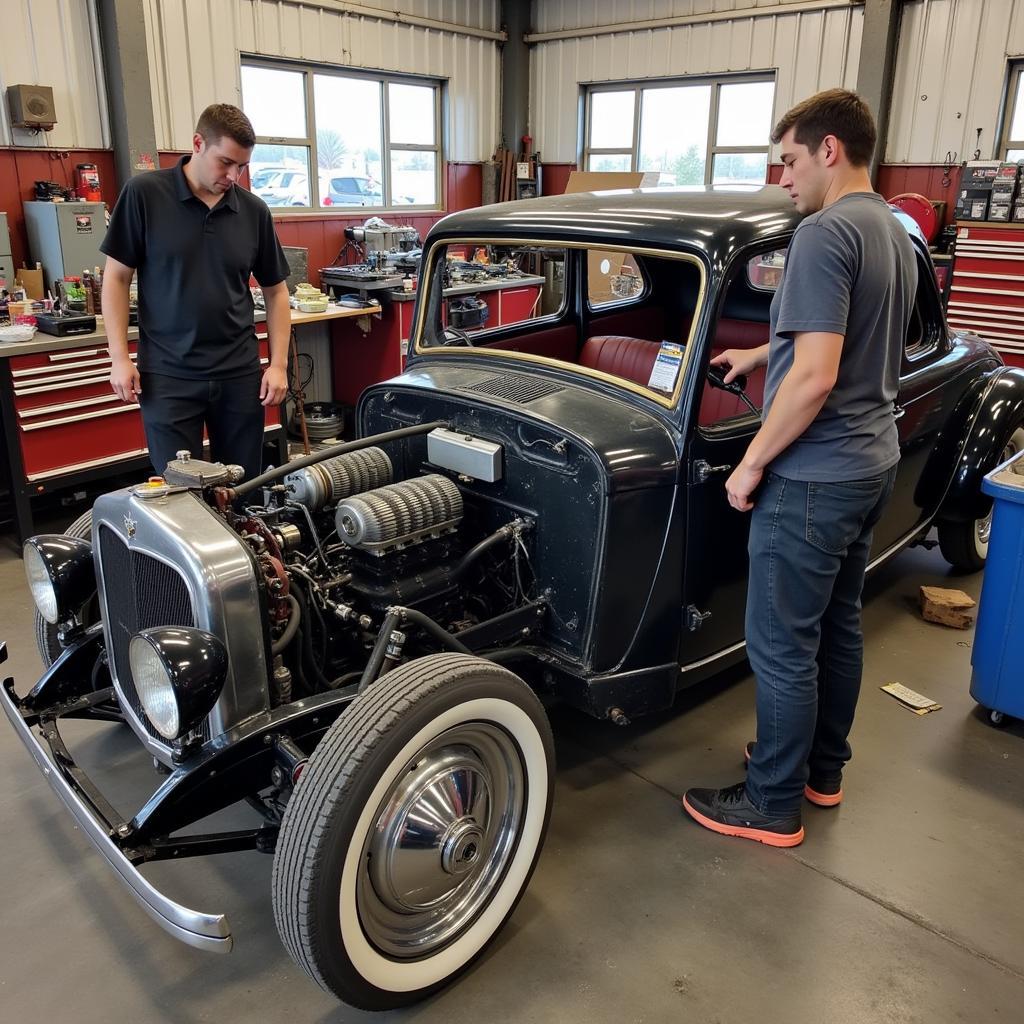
(175, 410)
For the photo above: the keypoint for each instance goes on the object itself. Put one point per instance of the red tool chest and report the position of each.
(987, 291)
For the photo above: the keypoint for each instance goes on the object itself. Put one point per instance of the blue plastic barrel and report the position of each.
(997, 681)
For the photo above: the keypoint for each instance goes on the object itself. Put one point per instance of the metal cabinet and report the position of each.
(987, 292)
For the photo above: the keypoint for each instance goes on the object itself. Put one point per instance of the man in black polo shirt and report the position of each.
(195, 237)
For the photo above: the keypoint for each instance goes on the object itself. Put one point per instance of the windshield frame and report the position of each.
(429, 281)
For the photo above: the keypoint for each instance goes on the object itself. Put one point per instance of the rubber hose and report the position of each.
(372, 669)
(505, 533)
(439, 633)
(289, 631)
(309, 664)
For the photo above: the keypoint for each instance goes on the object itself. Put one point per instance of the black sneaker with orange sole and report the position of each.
(819, 790)
(729, 812)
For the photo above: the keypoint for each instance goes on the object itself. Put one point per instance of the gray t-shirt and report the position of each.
(851, 270)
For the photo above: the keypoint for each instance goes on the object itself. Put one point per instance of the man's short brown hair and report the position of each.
(220, 119)
(837, 112)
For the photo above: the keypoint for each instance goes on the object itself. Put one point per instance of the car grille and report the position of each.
(139, 592)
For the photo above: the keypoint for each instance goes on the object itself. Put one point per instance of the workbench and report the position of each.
(63, 425)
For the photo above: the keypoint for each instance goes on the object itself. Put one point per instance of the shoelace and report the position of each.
(732, 795)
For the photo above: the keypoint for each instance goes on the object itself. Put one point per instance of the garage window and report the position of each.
(331, 138)
(1012, 136)
(721, 137)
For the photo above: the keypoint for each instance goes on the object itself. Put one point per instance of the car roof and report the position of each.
(715, 219)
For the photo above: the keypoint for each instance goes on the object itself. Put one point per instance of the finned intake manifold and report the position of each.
(400, 513)
(341, 477)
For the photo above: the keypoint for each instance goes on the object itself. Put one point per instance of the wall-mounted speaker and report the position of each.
(31, 106)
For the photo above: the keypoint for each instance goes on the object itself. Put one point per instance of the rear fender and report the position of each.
(979, 430)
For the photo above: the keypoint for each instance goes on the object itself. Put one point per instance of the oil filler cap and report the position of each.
(154, 487)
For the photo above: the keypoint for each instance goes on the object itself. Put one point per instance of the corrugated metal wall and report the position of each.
(50, 42)
(950, 77)
(810, 50)
(194, 48)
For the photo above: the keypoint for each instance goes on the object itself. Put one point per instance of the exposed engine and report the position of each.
(339, 543)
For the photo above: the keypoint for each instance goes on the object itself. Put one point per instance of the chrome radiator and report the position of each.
(171, 561)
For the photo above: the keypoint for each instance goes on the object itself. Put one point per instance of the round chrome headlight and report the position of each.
(40, 584)
(179, 672)
(154, 686)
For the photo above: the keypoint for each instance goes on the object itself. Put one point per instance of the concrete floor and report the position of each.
(902, 905)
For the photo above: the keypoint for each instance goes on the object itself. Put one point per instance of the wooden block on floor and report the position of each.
(947, 607)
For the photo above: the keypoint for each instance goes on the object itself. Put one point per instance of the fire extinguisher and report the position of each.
(88, 187)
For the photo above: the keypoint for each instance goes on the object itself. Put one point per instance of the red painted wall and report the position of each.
(21, 168)
(554, 178)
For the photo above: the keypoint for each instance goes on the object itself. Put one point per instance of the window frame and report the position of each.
(430, 296)
(1014, 70)
(639, 85)
(309, 69)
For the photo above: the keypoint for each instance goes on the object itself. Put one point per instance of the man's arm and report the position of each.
(274, 385)
(741, 360)
(801, 395)
(124, 376)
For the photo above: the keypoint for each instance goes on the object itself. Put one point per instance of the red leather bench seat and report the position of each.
(718, 405)
(633, 359)
(621, 356)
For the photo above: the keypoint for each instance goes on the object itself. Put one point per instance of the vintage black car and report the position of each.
(361, 644)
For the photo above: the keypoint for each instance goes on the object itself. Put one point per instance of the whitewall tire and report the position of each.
(414, 830)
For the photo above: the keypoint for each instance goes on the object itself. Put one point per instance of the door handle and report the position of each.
(703, 470)
(898, 412)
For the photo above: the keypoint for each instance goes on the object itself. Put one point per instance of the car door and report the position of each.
(715, 574)
(924, 404)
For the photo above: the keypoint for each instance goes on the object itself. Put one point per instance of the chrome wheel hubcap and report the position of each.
(983, 529)
(441, 841)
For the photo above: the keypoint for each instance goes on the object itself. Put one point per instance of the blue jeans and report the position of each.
(809, 545)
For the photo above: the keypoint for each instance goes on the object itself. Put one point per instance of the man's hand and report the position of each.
(741, 485)
(125, 380)
(274, 385)
(740, 360)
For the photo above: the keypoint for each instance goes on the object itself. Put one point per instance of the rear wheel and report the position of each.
(46, 632)
(965, 544)
(413, 830)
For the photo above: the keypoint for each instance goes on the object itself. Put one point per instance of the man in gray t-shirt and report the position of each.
(850, 270)
(819, 471)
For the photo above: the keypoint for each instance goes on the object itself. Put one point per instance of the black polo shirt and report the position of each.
(193, 263)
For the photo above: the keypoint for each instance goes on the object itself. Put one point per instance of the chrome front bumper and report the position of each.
(204, 931)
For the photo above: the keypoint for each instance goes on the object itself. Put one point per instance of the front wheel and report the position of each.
(965, 544)
(414, 830)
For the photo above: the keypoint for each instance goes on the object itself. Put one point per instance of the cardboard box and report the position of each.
(31, 281)
(601, 181)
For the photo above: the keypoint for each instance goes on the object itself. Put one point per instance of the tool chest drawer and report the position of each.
(68, 418)
(987, 289)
